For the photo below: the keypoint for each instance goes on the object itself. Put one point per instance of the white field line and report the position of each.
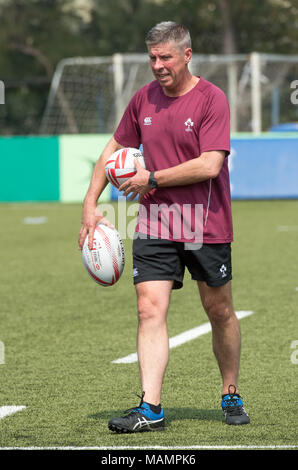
(35, 220)
(287, 228)
(194, 447)
(9, 410)
(182, 338)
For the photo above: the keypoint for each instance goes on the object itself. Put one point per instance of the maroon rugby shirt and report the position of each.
(173, 130)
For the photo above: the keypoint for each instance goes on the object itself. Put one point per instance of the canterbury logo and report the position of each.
(148, 121)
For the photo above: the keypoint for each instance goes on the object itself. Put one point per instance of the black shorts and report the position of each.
(157, 259)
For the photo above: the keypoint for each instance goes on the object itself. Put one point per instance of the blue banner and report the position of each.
(261, 167)
(264, 167)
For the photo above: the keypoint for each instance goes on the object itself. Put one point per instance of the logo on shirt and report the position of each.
(189, 125)
(147, 121)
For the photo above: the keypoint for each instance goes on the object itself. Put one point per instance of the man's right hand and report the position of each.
(91, 216)
(89, 221)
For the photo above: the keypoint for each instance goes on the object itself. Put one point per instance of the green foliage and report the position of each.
(266, 26)
(36, 34)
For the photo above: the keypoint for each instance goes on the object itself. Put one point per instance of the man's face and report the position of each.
(169, 65)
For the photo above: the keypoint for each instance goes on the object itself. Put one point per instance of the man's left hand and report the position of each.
(138, 184)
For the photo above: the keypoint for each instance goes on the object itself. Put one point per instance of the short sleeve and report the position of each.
(214, 132)
(128, 131)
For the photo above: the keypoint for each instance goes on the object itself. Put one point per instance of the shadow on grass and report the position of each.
(171, 414)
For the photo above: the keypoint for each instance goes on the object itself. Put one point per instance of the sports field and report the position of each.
(60, 333)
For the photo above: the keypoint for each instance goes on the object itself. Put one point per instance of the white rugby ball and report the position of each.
(105, 261)
(120, 166)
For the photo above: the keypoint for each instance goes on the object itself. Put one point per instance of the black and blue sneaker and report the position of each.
(144, 417)
(233, 409)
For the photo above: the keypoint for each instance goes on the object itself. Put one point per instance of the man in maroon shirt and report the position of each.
(182, 121)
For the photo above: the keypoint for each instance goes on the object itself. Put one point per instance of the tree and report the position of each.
(36, 34)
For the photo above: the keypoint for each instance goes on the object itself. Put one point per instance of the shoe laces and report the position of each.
(232, 405)
(137, 409)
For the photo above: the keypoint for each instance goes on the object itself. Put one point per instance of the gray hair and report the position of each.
(167, 31)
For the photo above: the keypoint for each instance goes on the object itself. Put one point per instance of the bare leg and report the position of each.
(153, 342)
(226, 339)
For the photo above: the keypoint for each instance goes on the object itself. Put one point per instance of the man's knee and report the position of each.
(147, 308)
(218, 310)
(217, 302)
(153, 300)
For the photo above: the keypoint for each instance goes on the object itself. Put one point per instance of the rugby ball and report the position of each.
(105, 261)
(120, 166)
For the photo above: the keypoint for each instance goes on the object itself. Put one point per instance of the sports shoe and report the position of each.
(139, 419)
(233, 409)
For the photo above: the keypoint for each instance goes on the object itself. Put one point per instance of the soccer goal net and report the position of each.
(89, 95)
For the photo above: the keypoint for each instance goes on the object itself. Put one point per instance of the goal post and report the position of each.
(89, 95)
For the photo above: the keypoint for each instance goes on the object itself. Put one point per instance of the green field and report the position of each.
(61, 332)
